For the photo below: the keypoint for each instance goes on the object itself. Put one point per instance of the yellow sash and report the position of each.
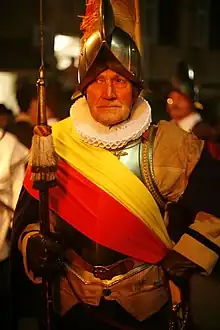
(103, 169)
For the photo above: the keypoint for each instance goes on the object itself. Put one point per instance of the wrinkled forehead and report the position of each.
(110, 74)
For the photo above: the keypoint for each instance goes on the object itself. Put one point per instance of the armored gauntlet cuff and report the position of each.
(43, 255)
(178, 268)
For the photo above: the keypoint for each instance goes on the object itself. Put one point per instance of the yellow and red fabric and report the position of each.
(103, 199)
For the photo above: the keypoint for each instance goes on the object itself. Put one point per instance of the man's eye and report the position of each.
(100, 80)
(120, 80)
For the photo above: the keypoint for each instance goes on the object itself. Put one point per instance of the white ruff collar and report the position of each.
(115, 137)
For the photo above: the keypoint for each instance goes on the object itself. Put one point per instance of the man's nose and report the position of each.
(109, 91)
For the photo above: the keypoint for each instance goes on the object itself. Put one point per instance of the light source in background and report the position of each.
(66, 50)
(7, 90)
(191, 74)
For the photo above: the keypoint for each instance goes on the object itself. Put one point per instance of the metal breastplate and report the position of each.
(130, 156)
(138, 157)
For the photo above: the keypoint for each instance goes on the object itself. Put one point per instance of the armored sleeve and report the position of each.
(189, 179)
(201, 241)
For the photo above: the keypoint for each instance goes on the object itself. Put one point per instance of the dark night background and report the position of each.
(171, 30)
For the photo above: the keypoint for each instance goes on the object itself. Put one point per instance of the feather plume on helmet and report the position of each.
(91, 19)
(108, 41)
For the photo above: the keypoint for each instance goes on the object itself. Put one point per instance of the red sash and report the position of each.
(99, 216)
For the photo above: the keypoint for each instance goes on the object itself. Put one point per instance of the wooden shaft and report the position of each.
(42, 119)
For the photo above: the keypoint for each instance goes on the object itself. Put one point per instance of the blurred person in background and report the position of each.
(3, 116)
(186, 110)
(6, 118)
(53, 104)
(27, 100)
(13, 159)
(23, 128)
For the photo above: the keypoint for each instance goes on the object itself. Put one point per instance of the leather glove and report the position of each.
(179, 269)
(44, 255)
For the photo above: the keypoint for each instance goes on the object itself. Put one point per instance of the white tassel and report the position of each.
(43, 158)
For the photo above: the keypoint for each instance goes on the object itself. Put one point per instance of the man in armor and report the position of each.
(111, 258)
(185, 108)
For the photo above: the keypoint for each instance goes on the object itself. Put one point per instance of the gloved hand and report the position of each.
(179, 269)
(44, 255)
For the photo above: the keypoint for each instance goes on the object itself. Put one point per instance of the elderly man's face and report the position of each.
(178, 106)
(110, 98)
